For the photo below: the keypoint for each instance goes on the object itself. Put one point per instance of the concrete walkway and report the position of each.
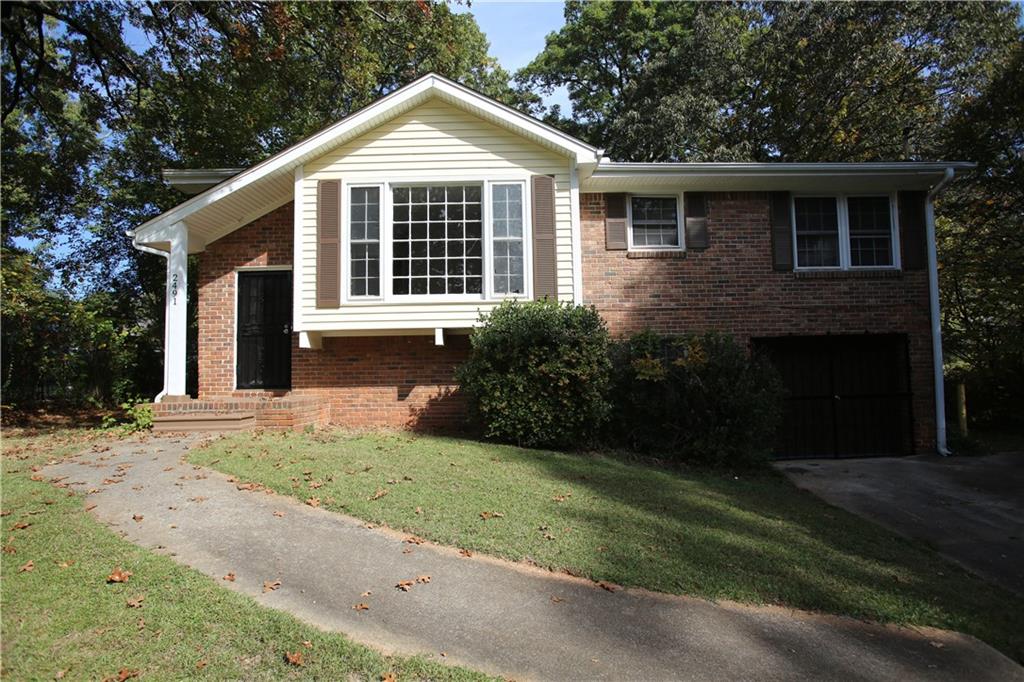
(970, 509)
(486, 614)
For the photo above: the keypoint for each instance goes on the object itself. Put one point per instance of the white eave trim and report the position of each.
(424, 87)
(619, 169)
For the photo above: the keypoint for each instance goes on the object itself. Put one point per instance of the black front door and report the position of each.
(264, 346)
(847, 396)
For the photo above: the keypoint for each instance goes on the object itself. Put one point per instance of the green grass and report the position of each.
(751, 538)
(69, 619)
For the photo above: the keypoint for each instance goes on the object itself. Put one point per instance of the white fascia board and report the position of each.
(608, 169)
(423, 88)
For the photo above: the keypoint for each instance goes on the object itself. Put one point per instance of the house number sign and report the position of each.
(174, 289)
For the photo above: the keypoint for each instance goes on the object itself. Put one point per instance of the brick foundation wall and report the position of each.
(366, 381)
(731, 287)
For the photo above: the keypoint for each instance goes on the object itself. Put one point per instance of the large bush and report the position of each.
(700, 398)
(538, 373)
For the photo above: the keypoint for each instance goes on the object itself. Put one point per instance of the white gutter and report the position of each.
(165, 255)
(772, 168)
(933, 299)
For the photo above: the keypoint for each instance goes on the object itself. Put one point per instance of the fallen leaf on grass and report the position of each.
(413, 540)
(37, 477)
(279, 514)
(60, 674)
(9, 549)
(465, 553)
(20, 525)
(27, 567)
(381, 492)
(6, 512)
(200, 665)
(313, 502)
(119, 576)
(611, 587)
(315, 484)
(419, 510)
(308, 644)
(562, 498)
(122, 675)
(389, 677)
(361, 607)
(491, 515)
(137, 518)
(136, 603)
(404, 585)
(270, 586)
(294, 658)
(66, 564)
(230, 577)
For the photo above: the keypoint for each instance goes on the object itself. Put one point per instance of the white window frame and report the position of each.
(487, 294)
(680, 222)
(843, 219)
(346, 240)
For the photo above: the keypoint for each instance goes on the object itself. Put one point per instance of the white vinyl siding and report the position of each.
(434, 143)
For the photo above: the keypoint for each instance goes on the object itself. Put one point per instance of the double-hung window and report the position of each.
(456, 241)
(845, 232)
(654, 223)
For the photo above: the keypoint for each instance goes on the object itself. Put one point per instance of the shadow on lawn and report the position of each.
(758, 538)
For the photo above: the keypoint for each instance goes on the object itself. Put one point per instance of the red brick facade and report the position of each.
(367, 381)
(731, 287)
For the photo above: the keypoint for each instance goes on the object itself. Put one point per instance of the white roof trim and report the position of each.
(609, 169)
(422, 87)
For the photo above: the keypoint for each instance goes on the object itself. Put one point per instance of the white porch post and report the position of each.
(176, 319)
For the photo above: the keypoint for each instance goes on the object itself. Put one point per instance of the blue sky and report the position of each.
(516, 31)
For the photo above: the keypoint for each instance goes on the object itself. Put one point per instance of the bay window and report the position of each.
(439, 240)
(844, 232)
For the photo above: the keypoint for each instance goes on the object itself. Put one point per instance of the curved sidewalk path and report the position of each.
(494, 616)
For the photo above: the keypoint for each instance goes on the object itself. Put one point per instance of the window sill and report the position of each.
(849, 274)
(653, 253)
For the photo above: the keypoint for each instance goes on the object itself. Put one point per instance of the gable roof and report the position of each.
(269, 184)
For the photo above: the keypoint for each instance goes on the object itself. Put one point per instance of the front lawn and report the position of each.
(61, 619)
(751, 538)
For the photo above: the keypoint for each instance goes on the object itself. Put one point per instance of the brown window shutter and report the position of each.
(782, 231)
(615, 222)
(913, 235)
(545, 283)
(696, 214)
(328, 243)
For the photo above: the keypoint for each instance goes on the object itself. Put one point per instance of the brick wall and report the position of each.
(367, 381)
(731, 287)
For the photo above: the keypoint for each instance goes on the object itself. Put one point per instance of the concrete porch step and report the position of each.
(205, 421)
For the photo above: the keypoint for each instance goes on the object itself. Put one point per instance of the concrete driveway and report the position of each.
(970, 509)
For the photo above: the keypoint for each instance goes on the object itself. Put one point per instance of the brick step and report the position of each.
(205, 421)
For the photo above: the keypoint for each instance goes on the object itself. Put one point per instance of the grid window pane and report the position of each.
(437, 240)
(817, 231)
(655, 221)
(364, 241)
(507, 225)
(870, 231)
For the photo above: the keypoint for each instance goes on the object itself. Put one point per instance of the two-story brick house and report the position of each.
(338, 279)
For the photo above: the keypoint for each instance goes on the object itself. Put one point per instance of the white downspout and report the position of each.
(165, 255)
(933, 296)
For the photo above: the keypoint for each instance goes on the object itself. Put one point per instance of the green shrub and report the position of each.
(538, 373)
(696, 398)
(138, 416)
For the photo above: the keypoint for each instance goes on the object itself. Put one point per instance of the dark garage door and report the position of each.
(848, 396)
